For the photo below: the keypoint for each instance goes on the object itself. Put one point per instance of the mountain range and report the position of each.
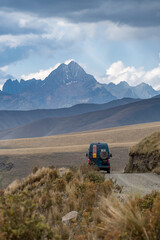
(64, 87)
(37, 123)
(12, 119)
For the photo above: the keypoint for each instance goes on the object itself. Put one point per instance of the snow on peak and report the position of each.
(69, 61)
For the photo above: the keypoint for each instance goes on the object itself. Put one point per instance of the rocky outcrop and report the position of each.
(145, 156)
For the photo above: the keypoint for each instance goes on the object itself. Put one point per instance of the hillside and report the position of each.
(139, 112)
(53, 205)
(145, 156)
(10, 119)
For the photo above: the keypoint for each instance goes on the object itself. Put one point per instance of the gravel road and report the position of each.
(136, 183)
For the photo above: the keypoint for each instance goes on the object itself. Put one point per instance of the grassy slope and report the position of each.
(148, 145)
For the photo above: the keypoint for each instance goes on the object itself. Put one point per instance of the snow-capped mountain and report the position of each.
(64, 87)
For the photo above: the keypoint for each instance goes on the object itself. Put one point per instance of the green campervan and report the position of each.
(99, 155)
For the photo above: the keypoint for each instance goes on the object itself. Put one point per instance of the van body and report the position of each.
(99, 155)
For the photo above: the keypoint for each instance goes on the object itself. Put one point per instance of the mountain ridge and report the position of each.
(10, 119)
(143, 111)
(66, 86)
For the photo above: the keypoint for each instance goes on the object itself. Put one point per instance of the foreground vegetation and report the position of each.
(33, 208)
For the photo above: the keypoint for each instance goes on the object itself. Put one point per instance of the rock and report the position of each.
(63, 170)
(69, 216)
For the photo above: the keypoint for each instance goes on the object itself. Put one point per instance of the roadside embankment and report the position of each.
(145, 156)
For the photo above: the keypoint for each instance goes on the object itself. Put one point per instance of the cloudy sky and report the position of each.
(115, 40)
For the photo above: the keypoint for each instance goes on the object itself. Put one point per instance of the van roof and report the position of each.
(102, 143)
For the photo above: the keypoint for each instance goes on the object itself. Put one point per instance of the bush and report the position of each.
(95, 177)
(69, 176)
(20, 221)
(35, 169)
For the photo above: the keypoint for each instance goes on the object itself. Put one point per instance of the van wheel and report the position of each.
(108, 170)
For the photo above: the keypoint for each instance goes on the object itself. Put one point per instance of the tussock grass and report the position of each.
(33, 208)
(135, 219)
(148, 145)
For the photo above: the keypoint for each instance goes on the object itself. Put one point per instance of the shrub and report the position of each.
(60, 185)
(95, 177)
(35, 169)
(69, 176)
(33, 209)
(20, 221)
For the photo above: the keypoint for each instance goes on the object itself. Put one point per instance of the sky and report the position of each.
(114, 40)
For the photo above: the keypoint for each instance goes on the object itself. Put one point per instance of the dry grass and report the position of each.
(33, 208)
(136, 218)
(52, 196)
(148, 145)
(117, 135)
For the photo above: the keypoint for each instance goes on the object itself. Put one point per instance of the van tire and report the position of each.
(103, 155)
(108, 170)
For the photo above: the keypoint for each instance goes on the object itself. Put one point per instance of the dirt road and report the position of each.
(137, 183)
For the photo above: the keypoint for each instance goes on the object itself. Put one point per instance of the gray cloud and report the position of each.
(3, 77)
(49, 27)
(19, 23)
(130, 12)
(8, 55)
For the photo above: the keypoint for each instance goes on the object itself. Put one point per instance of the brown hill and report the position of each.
(139, 112)
(145, 156)
(10, 119)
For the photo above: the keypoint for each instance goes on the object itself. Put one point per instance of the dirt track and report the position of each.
(137, 183)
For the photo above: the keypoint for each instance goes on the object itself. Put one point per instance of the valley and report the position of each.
(68, 150)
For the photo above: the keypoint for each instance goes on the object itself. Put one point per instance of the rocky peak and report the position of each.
(66, 73)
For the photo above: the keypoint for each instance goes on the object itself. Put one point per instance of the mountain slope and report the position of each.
(139, 112)
(10, 119)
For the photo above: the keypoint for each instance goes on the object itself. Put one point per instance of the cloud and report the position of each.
(44, 28)
(42, 74)
(4, 68)
(63, 29)
(30, 35)
(130, 12)
(68, 61)
(4, 75)
(117, 72)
